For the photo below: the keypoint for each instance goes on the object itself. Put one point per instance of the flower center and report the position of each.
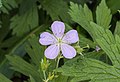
(59, 40)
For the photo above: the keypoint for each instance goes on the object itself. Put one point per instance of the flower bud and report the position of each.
(44, 64)
(79, 49)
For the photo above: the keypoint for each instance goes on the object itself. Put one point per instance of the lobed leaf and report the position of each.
(56, 10)
(90, 69)
(107, 42)
(81, 15)
(103, 15)
(26, 5)
(117, 31)
(25, 22)
(8, 5)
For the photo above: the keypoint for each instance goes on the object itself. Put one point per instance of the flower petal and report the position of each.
(58, 28)
(47, 39)
(52, 51)
(68, 51)
(71, 37)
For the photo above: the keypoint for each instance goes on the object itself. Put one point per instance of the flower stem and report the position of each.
(57, 65)
(44, 75)
(59, 57)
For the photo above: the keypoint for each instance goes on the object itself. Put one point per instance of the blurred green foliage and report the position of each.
(97, 22)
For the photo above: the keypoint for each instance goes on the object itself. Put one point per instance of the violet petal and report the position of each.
(52, 51)
(47, 39)
(71, 37)
(58, 28)
(68, 51)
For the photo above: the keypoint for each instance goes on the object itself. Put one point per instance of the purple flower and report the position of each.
(59, 41)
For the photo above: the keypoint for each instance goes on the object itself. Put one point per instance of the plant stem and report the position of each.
(57, 65)
(44, 75)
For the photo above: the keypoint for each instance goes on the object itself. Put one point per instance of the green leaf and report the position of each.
(0, 3)
(56, 10)
(114, 5)
(3, 78)
(60, 78)
(0, 24)
(81, 15)
(90, 69)
(4, 30)
(107, 42)
(5, 45)
(84, 41)
(18, 48)
(25, 22)
(9, 42)
(103, 15)
(87, 13)
(94, 54)
(94, 70)
(67, 27)
(117, 28)
(31, 79)
(20, 65)
(82, 2)
(35, 51)
(26, 5)
(8, 5)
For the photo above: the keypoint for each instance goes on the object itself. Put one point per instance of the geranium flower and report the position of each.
(59, 42)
